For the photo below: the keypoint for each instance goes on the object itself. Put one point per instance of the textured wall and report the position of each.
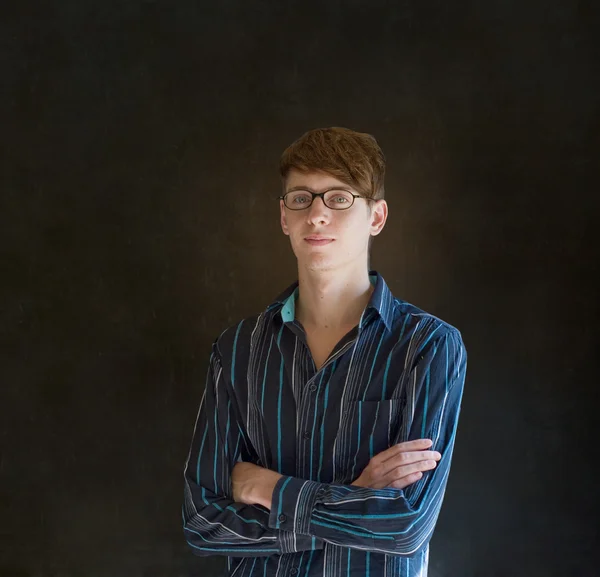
(140, 143)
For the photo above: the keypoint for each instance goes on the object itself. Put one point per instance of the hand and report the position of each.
(253, 485)
(399, 466)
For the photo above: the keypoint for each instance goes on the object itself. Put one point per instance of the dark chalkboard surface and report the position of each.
(140, 145)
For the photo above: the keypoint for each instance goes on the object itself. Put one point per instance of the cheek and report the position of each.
(295, 236)
(354, 230)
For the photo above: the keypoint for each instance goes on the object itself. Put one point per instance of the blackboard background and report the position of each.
(139, 151)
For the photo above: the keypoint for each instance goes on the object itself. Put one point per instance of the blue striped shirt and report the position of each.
(397, 376)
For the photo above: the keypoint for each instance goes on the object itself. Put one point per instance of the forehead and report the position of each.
(316, 180)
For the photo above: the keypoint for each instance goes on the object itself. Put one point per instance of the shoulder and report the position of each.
(407, 322)
(425, 338)
(235, 340)
(422, 327)
(232, 347)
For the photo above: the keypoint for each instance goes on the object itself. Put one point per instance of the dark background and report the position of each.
(139, 151)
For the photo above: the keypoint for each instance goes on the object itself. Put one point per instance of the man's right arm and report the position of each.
(214, 524)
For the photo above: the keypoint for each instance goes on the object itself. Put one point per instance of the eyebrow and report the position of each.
(307, 188)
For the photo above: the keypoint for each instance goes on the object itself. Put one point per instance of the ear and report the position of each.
(283, 218)
(379, 216)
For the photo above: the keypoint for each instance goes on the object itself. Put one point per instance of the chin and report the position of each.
(316, 264)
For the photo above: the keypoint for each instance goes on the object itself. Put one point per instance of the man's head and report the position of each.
(354, 158)
(333, 159)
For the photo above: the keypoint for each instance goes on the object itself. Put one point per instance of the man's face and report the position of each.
(344, 234)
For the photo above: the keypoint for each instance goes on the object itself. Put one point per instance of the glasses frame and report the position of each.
(321, 195)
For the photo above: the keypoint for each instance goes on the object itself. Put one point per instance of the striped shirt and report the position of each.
(397, 376)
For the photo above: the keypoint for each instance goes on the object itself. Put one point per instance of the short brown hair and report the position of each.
(352, 157)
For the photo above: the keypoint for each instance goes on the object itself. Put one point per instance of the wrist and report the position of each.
(261, 490)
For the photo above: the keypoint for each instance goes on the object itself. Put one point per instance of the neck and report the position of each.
(332, 300)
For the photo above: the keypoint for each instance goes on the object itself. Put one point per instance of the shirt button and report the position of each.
(293, 571)
(306, 435)
(313, 388)
(282, 518)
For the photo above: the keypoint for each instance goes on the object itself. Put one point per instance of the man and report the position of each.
(324, 437)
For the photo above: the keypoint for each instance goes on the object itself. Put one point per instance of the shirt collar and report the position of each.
(381, 301)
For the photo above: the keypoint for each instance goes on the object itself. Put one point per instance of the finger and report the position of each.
(405, 459)
(380, 475)
(405, 481)
(412, 457)
(394, 450)
(403, 471)
(405, 462)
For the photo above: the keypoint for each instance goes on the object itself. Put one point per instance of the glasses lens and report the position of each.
(338, 199)
(298, 199)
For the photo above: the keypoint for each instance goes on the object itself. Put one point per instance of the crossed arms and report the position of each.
(233, 507)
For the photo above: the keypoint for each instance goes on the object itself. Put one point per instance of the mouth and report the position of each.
(318, 240)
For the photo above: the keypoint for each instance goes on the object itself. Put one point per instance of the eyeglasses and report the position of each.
(336, 199)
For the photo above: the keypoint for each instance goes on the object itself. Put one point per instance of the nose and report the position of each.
(318, 212)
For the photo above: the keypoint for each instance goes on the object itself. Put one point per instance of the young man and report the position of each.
(324, 437)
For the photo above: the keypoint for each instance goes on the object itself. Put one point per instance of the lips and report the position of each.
(318, 240)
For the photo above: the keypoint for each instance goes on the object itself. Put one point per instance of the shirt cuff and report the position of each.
(292, 504)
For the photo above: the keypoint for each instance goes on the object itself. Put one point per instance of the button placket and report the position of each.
(306, 414)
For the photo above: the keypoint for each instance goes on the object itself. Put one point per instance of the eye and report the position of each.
(300, 198)
(339, 197)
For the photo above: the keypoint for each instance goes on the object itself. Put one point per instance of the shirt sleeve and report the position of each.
(399, 522)
(213, 523)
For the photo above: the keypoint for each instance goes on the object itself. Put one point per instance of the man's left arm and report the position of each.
(392, 521)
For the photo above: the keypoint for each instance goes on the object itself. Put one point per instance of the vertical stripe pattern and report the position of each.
(397, 376)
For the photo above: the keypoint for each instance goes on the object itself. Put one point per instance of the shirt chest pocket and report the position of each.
(366, 429)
